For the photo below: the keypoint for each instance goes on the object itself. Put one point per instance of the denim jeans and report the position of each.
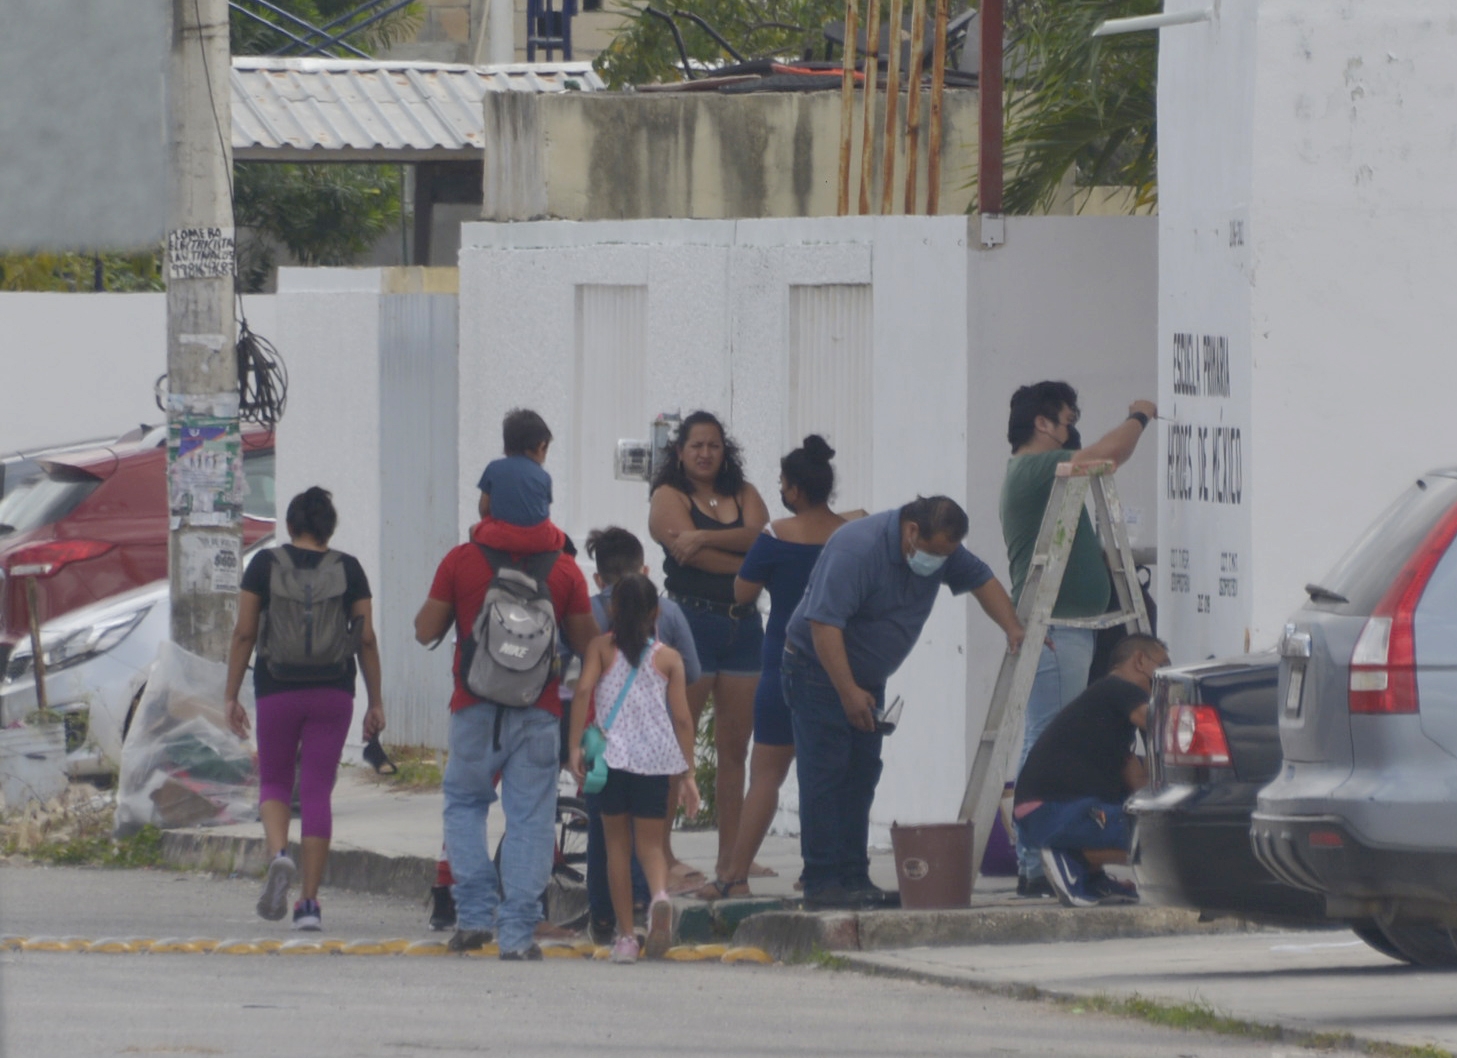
(838, 768)
(1062, 675)
(527, 764)
(599, 896)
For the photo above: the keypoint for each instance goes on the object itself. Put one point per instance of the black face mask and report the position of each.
(1074, 440)
(785, 500)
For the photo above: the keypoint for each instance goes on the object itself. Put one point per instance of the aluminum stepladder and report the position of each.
(1002, 731)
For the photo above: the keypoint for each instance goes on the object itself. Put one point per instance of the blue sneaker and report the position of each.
(307, 916)
(1110, 890)
(1068, 873)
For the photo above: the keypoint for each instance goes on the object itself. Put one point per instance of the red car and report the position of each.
(95, 520)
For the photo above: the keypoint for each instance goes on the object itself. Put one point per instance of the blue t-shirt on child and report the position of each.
(520, 490)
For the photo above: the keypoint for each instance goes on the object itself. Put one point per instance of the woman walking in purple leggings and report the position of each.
(307, 610)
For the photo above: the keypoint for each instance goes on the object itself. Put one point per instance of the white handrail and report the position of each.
(1133, 25)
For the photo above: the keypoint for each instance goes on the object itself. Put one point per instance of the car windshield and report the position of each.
(1362, 576)
(45, 499)
(258, 501)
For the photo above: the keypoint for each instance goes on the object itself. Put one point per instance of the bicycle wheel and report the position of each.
(564, 903)
(564, 900)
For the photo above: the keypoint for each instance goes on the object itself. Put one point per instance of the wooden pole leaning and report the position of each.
(847, 105)
(892, 106)
(872, 79)
(913, 101)
(938, 85)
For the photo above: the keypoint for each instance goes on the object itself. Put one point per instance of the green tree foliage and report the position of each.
(643, 51)
(1078, 103)
(70, 272)
(249, 36)
(322, 214)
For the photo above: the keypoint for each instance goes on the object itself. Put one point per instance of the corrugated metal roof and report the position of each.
(340, 109)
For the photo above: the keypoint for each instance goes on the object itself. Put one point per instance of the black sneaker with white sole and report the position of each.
(307, 916)
(469, 939)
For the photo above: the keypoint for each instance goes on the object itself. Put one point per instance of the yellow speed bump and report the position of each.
(202, 944)
(485, 951)
(236, 947)
(585, 947)
(603, 953)
(365, 947)
(168, 945)
(690, 953)
(112, 946)
(427, 947)
(10, 942)
(332, 944)
(394, 945)
(267, 944)
(54, 944)
(301, 947)
(755, 955)
(560, 951)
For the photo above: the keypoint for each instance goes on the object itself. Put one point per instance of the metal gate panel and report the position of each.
(418, 454)
(609, 402)
(830, 378)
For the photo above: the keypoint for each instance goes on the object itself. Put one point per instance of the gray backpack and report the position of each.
(510, 655)
(307, 634)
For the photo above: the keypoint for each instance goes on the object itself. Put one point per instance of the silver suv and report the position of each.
(1364, 810)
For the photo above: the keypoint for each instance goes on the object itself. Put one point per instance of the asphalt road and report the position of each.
(75, 1004)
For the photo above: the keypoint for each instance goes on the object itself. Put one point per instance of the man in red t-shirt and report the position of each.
(486, 740)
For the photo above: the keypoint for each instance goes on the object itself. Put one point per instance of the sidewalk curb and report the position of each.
(348, 868)
(798, 934)
(971, 981)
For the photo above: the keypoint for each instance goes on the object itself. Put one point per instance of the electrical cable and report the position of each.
(262, 377)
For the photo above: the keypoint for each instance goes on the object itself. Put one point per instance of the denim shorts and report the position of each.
(628, 793)
(730, 645)
(1086, 823)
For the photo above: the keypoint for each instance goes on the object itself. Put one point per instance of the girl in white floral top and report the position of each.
(649, 740)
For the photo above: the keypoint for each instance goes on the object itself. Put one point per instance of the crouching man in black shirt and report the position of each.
(1070, 793)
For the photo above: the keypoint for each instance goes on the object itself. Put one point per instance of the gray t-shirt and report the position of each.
(672, 630)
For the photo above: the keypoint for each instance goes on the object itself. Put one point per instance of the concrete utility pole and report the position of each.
(204, 449)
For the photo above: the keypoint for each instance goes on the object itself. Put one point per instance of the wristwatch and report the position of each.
(1141, 417)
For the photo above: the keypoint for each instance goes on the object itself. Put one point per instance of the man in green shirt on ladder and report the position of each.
(1042, 430)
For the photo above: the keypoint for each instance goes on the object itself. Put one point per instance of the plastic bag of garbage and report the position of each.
(180, 764)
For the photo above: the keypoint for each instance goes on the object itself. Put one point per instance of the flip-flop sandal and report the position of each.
(757, 871)
(377, 758)
(721, 890)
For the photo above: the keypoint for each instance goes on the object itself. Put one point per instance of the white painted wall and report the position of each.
(1305, 214)
(82, 366)
(329, 435)
(953, 331)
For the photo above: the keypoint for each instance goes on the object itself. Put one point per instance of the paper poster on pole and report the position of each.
(205, 470)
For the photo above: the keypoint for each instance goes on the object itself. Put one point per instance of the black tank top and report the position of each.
(689, 580)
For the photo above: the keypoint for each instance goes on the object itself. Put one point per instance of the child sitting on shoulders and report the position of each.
(516, 488)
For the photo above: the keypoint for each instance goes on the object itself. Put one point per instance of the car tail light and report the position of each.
(42, 560)
(1325, 839)
(1194, 735)
(1383, 665)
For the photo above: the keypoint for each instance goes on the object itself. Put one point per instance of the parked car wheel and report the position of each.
(1428, 944)
(1371, 932)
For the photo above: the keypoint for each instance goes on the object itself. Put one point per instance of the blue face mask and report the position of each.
(923, 563)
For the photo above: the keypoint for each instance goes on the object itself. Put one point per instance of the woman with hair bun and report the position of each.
(781, 560)
(304, 683)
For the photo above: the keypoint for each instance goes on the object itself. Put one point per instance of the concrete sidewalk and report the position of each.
(387, 842)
